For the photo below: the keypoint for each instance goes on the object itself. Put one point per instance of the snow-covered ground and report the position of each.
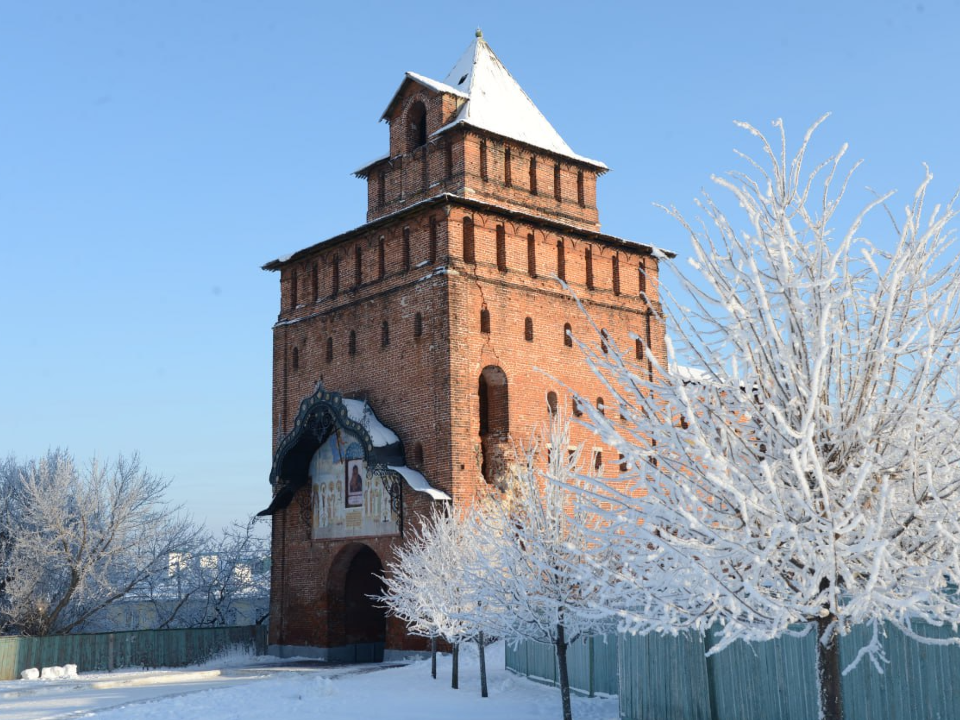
(265, 689)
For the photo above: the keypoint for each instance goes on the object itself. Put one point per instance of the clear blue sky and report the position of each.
(154, 155)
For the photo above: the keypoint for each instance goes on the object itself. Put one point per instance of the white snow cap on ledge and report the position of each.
(418, 482)
(362, 414)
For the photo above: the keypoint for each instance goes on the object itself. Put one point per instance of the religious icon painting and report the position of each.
(355, 478)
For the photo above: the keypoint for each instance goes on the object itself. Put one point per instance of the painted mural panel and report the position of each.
(347, 502)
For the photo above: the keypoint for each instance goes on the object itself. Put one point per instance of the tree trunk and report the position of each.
(564, 675)
(433, 657)
(829, 689)
(483, 666)
(455, 675)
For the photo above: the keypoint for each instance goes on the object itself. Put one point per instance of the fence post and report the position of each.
(590, 667)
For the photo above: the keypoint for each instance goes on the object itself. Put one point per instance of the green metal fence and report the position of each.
(142, 648)
(591, 661)
(667, 677)
(663, 677)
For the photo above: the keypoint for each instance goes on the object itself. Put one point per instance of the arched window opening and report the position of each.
(642, 280)
(416, 456)
(483, 159)
(575, 407)
(639, 349)
(507, 173)
(600, 406)
(528, 329)
(352, 347)
(484, 320)
(604, 338)
(358, 266)
(615, 271)
(683, 423)
(335, 276)
(552, 402)
(588, 261)
(580, 200)
(417, 325)
(623, 463)
(406, 248)
(556, 182)
(469, 249)
(561, 261)
(533, 175)
(494, 419)
(416, 126)
(295, 358)
(433, 239)
(598, 462)
(384, 333)
(567, 335)
(501, 248)
(329, 349)
(531, 255)
(381, 258)
(293, 289)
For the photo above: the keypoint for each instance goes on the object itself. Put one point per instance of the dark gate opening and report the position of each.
(365, 623)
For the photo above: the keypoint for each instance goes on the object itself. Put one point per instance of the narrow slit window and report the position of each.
(357, 266)
(433, 239)
(295, 358)
(604, 341)
(335, 277)
(417, 325)
(469, 249)
(567, 335)
(293, 288)
(556, 182)
(501, 249)
(588, 261)
(580, 200)
(600, 406)
(406, 248)
(531, 255)
(598, 462)
(484, 321)
(561, 261)
(329, 349)
(507, 172)
(528, 329)
(352, 345)
(315, 282)
(575, 407)
(615, 270)
(533, 175)
(639, 349)
(483, 159)
(384, 333)
(642, 277)
(381, 258)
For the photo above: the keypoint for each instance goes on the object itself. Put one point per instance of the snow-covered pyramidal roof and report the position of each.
(495, 101)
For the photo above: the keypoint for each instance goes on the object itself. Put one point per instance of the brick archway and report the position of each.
(357, 625)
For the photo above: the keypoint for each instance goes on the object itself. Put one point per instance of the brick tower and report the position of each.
(411, 352)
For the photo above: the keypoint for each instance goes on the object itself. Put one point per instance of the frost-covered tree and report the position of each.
(74, 540)
(430, 583)
(807, 470)
(538, 573)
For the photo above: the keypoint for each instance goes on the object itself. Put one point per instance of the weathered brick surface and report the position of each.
(426, 387)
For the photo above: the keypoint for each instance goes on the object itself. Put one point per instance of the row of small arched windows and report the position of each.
(470, 256)
(352, 341)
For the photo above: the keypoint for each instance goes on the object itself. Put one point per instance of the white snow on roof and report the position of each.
(436, 85)
(497, 102)
(693, 375)
(362, 414)
(418, 482)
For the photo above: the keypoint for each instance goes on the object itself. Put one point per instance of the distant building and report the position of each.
(412, 351)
